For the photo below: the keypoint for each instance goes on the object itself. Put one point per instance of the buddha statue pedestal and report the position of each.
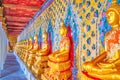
(58, 71)
(59, 61)
(31, 58)
(40, 65)
(107, 65)
(41, 58)
(50, 75)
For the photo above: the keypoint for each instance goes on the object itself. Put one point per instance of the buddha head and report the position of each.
(63, 29)
(45, 35)
(36, 38)
(27, 41)
(113, 15)
(30, 40)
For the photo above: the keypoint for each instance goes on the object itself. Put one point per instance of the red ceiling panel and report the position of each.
(16, 24)
(14, 33)
(37, 3)
(17, 19)
(19, 12)
(18, 7)
(15, 27)
(12, 20)
(14, 30)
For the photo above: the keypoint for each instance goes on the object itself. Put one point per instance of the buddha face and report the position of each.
(44, 36)
(112, 17)
(35, 38)
(26, 42)
(63, 31)
(30, 39)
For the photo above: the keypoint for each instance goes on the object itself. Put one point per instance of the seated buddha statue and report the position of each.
(107, 65)
(41, 57)
(32, 52)
(59, 61)
(26, 52)
(20, 48)
(25, 47)
(16, 48)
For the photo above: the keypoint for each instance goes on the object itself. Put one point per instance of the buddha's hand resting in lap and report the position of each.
(57, 55)
(87, 66)
(106, 65)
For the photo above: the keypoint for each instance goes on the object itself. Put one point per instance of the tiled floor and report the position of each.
(12, 70)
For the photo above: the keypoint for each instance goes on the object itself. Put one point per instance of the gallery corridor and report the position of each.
(60, 39)
(12, 70)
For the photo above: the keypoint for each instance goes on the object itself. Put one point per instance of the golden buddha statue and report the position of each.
(32, 52)
(59, 61)
(25, 47)
(20, 48)
(29, 47)
(107, 65)
(41, 57)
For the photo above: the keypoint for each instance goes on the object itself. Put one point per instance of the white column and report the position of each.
(3, 46)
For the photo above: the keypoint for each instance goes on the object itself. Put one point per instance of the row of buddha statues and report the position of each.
(52, 66)
(57, 65)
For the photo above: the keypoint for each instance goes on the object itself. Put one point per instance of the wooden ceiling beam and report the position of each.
(15, 24)
(16, 21)
(7, 16)
(17, 27)
(21, 6)
(12, 29)
(19, 15)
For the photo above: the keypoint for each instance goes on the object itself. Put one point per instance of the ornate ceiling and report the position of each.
(17, 13)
